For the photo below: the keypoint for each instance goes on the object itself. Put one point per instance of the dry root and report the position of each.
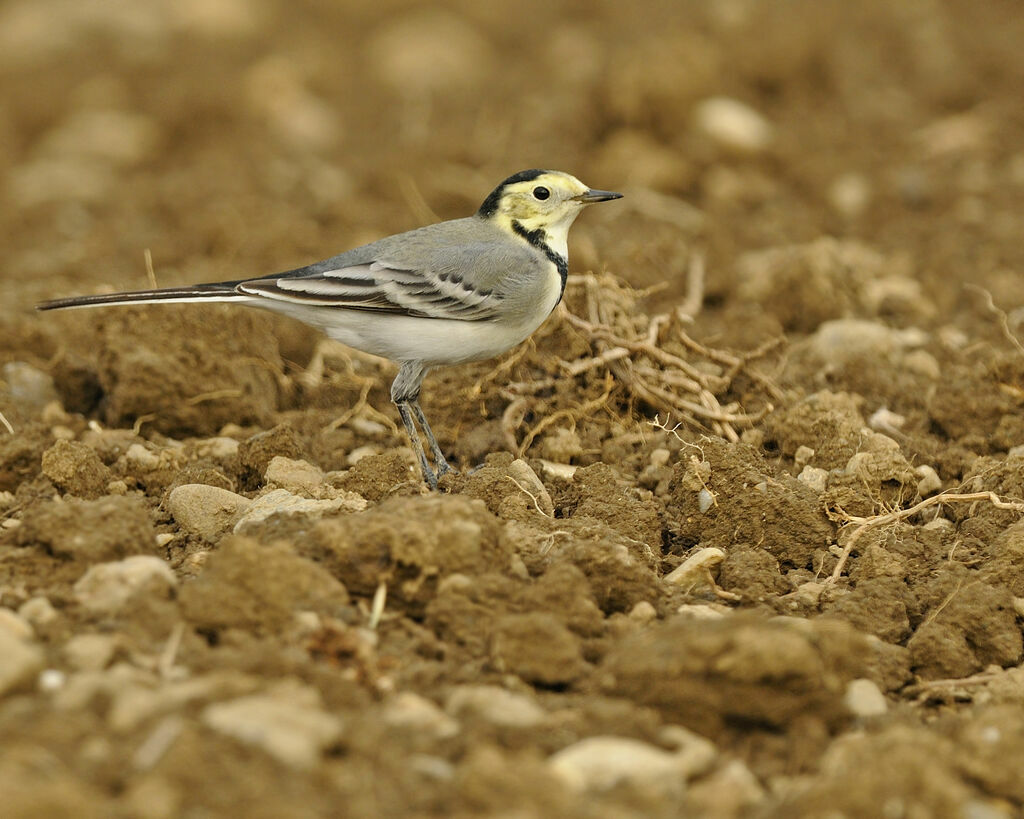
(863, 524)
(642, 359)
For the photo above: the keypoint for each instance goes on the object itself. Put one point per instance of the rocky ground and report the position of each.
(747, 539)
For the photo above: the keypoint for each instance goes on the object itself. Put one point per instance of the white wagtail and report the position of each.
(456, 291)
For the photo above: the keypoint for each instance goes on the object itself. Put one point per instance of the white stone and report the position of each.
(660, 457)
(803, 455)
(51, 679)
(107, 587)
(414, 713)
(923, 363)
(733, 125)
(20, 662)
(815, 477)
(885, 420)
(863, 698)
(601, 763)
(563, 472)
(841, 340)
(694, 568)
(290, 726)
(702, 611)
(930, 482)
(282, 502)
(527, 479)
(220, 448)
(643, 612)
(205, 511)
(142, 458)
(495, 705)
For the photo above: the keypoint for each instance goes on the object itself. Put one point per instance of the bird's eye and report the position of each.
(540, 192)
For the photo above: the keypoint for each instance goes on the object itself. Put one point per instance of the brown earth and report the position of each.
(224, 591)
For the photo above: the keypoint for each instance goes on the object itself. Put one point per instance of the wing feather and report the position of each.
(380, 287)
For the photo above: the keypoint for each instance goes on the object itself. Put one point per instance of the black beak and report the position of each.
(590, 197)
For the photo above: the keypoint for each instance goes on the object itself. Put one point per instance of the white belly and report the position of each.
(410, 338)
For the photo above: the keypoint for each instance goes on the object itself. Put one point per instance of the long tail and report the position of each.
(199, 292)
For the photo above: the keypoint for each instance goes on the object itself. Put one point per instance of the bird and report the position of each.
(450, 292)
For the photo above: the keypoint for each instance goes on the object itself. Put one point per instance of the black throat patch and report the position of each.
(538, 238)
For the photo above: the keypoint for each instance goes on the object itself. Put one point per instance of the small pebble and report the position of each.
(863, 698)
(206, 511)
(51, 679)
(815, 477)
(885, 420)
(693, 569)
(282, 502)
(921, 362)
(660, 457)
(643, 612)
(930, 482)
(289, 725)
(523, 474)
(702, 611)
(108, 587)
(705, 500)
(360, 452)
(495, 705)
(600, 763)
(419, 715)
(803, 456)
(734, 125)
(39, 611)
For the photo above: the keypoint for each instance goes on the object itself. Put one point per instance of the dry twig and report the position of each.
(863, 524)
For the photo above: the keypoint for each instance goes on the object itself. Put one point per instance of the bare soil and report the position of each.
(703, 568)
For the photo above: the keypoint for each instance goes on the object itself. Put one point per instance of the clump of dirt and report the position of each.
(780, 514)
(180, 387)
(435, 537)
(90, 531)
(743, 675)
(245, 583)
(76, 469)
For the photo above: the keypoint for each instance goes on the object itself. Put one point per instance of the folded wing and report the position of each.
(381, 288)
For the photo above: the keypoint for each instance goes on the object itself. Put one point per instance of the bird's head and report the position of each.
(546, 201)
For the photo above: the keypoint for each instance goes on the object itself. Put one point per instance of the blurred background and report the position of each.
(239, 137)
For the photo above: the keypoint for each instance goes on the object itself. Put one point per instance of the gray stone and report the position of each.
(206, 511)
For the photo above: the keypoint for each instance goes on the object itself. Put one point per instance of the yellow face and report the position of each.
(548, 196)
(545, 201)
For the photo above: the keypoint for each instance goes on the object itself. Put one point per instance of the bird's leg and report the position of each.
(414, 437)
(405, 392)
(439, 461)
